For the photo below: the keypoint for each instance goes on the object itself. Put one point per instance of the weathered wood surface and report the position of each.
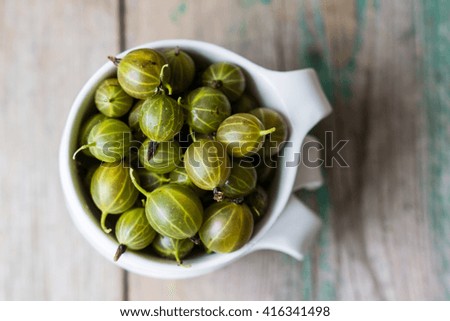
(48, 49)
(384, 66)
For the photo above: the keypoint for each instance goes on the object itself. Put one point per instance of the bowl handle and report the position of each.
(297, 227)
(302, 94)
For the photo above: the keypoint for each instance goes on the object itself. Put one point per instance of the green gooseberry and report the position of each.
(150, 180)
(258, 202)
(182, 69)
(206, 109)
(274, 141)
(86, 129)
(161, 118)
(133, 121)
(172, 248)
(140, 72)
(227, 227)
(241, 182)
(111, 100)
(207, 164)
(87, 175)
(242, 134)
(226, 77)
(244, 104)
(266, 170)
(172, 210)
(135, 115)
(164, 159)
(108, 141)
(133, 231)
(180, 176)
(112, 190)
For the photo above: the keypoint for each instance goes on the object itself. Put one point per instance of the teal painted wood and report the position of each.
(435, 37)
(313, 53)
(348, 61)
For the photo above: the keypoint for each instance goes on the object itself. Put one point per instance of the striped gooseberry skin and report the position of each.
(86, 129)
(165, 159)
(273, 142)
(180, 176)
(134, 230)
(139, 72)
(226, 77)
(151, 180)
(207, 164)
(172, 248)
(112, 190)
(135, 115)
(161, 118)
(110, 139)
(175, 211)
(87, 174)
(182, 68)
(133, 121)
(244, 104)
(258, 202)
(242, 134)
(241, 182)
(207, 108)
(227, 227)
(111, 100)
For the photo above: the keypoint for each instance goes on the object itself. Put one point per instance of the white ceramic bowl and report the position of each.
(296, 94)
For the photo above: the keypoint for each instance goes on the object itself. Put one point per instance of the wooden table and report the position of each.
(384, 66)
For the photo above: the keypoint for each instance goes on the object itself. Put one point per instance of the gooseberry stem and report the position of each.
(136, 184)
(186, 107)
(163, 82)
(258, 213)
(165, 180)
(114, 60)
(267, 131)
(192, 133)
(82, 148)
(103, 223)
(120, 250)
(177, 257)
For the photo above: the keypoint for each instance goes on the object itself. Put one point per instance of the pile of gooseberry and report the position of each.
(181, 155)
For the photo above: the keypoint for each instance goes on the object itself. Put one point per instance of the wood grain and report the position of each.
(379, 220)
(383, 64)
(45, 58)
(434, 32)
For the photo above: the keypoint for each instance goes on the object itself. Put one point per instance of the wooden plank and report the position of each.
(48, 50)
(236, 25)
(434, 32)
(369, 62)
(310, 54)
